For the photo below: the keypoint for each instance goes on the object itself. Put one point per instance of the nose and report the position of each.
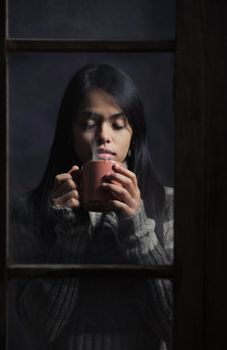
(103, 134)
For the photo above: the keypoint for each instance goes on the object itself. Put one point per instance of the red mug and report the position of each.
(94, 197)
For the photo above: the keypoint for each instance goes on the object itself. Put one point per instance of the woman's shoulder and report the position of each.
(169, 190)
(168, 224)
(22, 206)
(169, 203)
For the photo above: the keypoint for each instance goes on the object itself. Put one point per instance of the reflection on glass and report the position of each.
(94, 313)
(36, 85)
(114, 212)
(88, 19)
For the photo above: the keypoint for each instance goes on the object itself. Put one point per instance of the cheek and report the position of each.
(128, 141)
(81, 139)
(125, 145)
(81, 147)
(83, 150)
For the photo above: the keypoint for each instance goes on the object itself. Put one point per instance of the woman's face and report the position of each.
(101, 129)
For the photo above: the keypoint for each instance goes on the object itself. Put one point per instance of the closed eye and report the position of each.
(118, 126)
(88, 124)
(119, 122)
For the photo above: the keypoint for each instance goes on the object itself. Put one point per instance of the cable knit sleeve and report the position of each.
(45, 304)
(63, 241)
(137, 238)
(138, 241)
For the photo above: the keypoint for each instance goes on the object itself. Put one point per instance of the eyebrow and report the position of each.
(88, 113)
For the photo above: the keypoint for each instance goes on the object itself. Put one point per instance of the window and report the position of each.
(199, 170)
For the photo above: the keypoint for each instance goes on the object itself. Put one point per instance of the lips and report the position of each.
(103, 153)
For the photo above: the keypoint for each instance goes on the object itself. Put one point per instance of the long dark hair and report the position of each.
(62, 155)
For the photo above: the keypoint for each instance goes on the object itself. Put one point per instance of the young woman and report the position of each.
(101, 106)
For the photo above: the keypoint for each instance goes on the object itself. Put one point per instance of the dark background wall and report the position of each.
(89, 19)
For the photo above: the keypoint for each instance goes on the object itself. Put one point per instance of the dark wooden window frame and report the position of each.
(200, 173)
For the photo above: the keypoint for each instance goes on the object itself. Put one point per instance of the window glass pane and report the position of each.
(105, 313)
(88, 19)
(37, 83)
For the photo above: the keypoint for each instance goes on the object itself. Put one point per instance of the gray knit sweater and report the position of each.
(94, 313)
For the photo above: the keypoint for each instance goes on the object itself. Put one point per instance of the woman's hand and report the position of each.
(127, 196)
(65, 192)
